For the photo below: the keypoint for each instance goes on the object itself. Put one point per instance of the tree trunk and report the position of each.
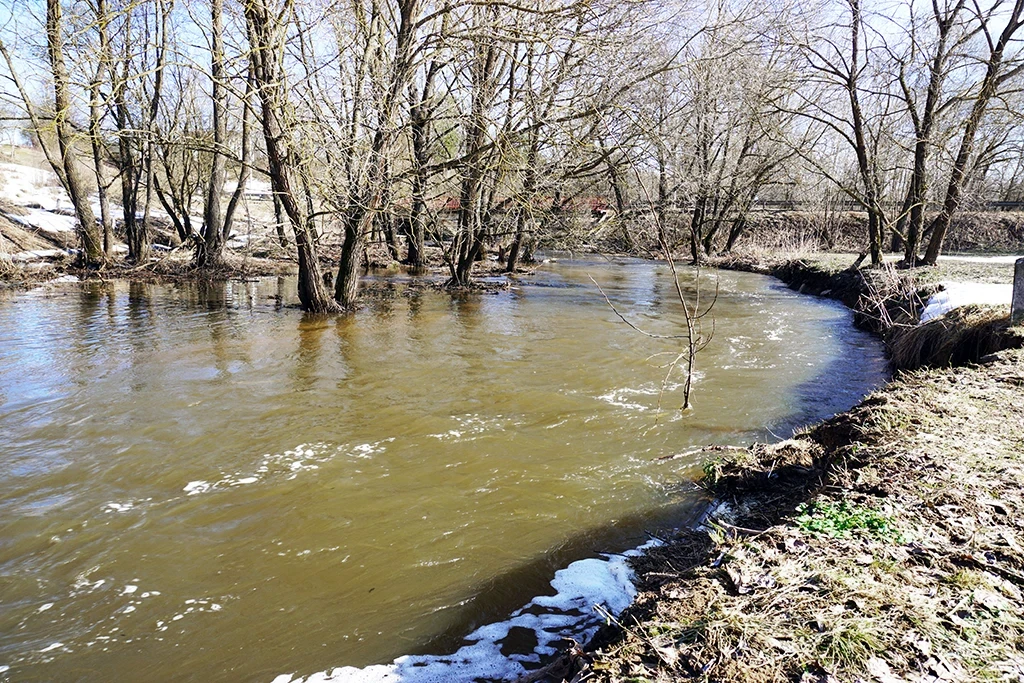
(914, 205)
(697, 227)
(369, 199)
(470, 228)
(92, 244)
(101, 177)
(245, 171)
(868, 176)
(989, 87)
(95, 131)
(420, 115)
(138, 243)
(128, 164)
(279, 216)
(416, 256)
(620, 203)
(209, 250)
(266, 37)
(525, 215)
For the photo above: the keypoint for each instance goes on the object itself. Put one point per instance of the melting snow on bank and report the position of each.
(957, 294)
(569, 613)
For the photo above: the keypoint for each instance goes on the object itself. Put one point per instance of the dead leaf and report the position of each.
(880, 671)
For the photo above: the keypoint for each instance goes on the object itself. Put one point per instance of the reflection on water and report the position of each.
(200, 481)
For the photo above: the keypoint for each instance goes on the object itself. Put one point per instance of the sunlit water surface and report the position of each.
(199, 482)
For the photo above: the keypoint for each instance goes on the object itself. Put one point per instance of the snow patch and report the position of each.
(30, 185)
(1009, 259)
(957, 294)
(36, 254)
(46, 221)
(571, 612)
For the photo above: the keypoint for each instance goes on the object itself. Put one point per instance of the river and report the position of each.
(200, 482)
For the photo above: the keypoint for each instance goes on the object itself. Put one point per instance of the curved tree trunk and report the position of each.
(989, 87)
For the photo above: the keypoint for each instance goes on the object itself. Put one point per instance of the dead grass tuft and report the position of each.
(961, 336)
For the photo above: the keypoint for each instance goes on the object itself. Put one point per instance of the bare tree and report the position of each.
(924, 117)
(68, 170)
(266, 31)
(1000, 67)
(371, 188)
(211, 245)
(97, 112)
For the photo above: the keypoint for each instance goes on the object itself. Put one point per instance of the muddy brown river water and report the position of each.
(199, 482)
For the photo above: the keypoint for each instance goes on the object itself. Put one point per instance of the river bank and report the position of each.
(882, 544)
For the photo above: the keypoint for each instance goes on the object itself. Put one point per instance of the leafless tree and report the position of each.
(1002, 64)
(266, 28)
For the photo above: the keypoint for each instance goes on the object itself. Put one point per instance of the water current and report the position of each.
(200, 482)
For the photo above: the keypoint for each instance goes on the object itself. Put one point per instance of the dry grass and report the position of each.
(882, 545)
(962, 335)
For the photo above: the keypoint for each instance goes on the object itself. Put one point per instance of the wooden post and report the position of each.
(1017, 307)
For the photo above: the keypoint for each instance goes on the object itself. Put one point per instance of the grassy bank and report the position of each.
(884, 544)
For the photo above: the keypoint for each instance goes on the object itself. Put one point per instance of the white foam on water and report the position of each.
(289, 464)
(192, 606)
(52, 647)
(622, 398)
(570, 613)
(957, 294)
(472, 426)
(118, 507)
(618, 398)
(195, 487)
